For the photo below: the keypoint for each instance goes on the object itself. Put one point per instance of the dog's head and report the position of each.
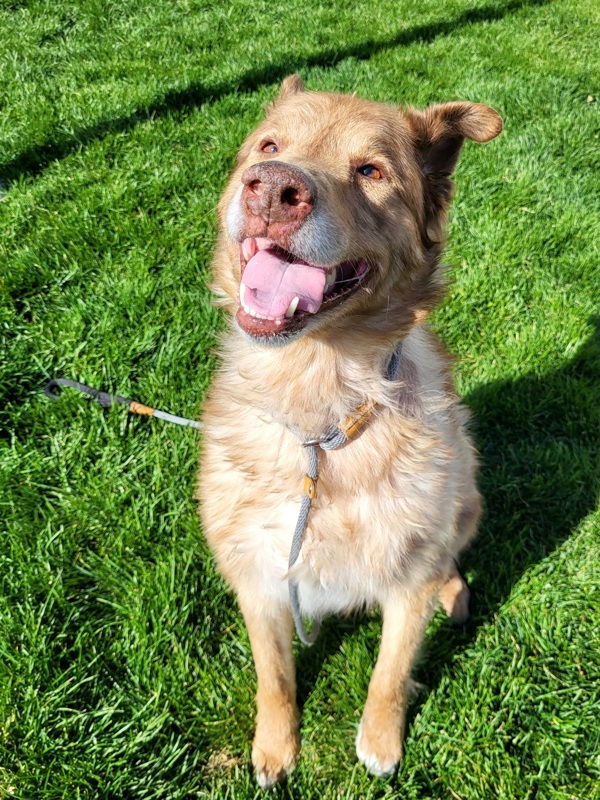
(336, 210)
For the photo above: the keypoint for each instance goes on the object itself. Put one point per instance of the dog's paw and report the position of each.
(274, 758)
(379, 749)
(454, 597)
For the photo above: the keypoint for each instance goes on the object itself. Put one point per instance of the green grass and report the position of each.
(125, 670)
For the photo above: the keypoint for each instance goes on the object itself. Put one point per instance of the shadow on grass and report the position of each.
(35, 159)
(539, 439)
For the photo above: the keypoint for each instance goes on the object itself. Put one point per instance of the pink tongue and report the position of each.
(272, 283)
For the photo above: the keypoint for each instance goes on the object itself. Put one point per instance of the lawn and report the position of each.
(125, 669)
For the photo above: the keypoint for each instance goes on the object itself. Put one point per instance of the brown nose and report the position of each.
(277, 192)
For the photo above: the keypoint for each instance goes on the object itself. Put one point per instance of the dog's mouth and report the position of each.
(279, 291)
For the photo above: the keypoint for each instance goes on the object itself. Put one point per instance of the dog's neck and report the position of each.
(313, 382)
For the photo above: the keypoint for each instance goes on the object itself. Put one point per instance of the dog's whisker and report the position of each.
(348, 280)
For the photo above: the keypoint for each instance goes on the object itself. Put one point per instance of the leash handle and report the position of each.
(106, 400)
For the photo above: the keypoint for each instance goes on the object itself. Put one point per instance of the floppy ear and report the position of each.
(291, 85)
(438, 135)
(440, 131)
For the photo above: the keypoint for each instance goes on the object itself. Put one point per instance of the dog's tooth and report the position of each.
(242, 293)
(292, 307)
(330, 280)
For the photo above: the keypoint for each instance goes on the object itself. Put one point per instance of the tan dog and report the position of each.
(327, 260)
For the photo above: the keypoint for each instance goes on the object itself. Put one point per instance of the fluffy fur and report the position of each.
(396, 505)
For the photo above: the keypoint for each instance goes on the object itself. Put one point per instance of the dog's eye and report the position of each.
(269, 147)
(369, 171)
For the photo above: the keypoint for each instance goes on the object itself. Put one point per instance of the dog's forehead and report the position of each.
(318, 121)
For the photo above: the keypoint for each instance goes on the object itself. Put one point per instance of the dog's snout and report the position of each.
(277, 192)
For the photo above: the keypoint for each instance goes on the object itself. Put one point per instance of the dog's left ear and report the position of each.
(440, 131)
(291, 85)
(438, 135)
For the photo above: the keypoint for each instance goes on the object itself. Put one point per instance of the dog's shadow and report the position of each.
(539, 440)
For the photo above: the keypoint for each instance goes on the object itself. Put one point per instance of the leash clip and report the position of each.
(312, 443)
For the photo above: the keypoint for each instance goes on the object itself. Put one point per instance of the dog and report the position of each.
(328, 262)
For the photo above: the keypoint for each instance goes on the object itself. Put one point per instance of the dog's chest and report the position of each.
(364, 528)
(384, 507)
(337, 569)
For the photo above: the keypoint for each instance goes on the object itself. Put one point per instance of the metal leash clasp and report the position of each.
(312, 442)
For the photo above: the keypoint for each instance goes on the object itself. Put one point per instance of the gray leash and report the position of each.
(333, 438)
(106, 400)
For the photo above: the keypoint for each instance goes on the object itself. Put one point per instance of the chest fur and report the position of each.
(383, 504)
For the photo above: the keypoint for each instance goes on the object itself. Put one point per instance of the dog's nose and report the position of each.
(277, 192)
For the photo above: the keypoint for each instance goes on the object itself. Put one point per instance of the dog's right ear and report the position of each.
(291, 85)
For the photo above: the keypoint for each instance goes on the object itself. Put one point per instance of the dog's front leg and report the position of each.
(379, 739)
(276, 742)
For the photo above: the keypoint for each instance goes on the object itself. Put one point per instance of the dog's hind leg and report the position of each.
(276, 742)
(454, 597)
(379, 739)
(468, 519)
(454, 593)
